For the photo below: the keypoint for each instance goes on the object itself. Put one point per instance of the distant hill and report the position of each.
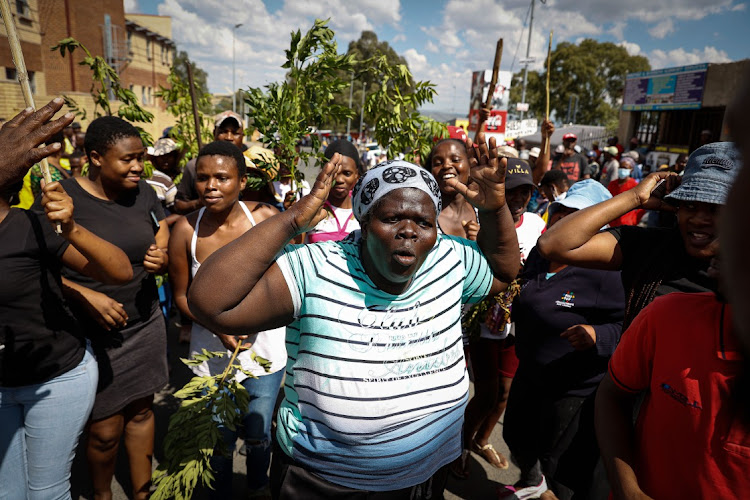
(442, 116)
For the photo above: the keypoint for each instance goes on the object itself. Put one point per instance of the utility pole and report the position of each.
(362, 113)
(234, 85)
(351, 95)
(527, 60)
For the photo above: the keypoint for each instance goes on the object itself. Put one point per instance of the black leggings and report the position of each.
(551, 435)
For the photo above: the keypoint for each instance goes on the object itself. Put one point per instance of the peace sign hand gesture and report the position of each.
(486, 187)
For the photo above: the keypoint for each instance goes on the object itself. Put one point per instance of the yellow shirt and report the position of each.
(26, 197)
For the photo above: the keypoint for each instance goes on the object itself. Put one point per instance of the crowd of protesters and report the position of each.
(575, 290)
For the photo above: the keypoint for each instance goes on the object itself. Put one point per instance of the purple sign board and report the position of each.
(670, 88)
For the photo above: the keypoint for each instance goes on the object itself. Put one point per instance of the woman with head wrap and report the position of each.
(376, 378)
(340, 221)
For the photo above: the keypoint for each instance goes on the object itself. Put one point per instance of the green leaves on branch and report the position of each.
(104, 80)
(180, 105)
(398, 124)
(194, 430)
(284, 113)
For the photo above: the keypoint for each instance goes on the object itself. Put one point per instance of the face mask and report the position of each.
(559, 197)
(623, 173)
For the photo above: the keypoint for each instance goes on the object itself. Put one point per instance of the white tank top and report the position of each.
(270, 344)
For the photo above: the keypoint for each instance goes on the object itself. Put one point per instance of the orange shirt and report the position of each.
(689, 442)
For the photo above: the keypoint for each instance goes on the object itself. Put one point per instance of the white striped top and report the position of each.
(376, 383)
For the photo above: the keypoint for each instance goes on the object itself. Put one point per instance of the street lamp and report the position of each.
(234, 85)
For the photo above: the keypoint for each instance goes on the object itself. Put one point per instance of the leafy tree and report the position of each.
(363, 50)
(105, 80)
(180, 105)
(200, 79)
(285, 112)
(594, 71)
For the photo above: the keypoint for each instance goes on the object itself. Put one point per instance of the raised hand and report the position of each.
(486, 187)
(58, 206)
(548, 128)
(652, 198)
(309, 211)
(20, 137)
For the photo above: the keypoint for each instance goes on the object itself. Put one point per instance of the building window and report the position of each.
(130, 42)
(32, 82)
(143, 95)
(22, 7)
(148, 49)
(10, 74)
(163, 59)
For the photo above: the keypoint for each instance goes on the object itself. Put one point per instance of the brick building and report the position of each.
(29, 32)
(138, 46)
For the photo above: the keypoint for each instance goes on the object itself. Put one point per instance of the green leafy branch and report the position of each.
(398, 124)
(104, 80)
(284, 113)
(194, 435)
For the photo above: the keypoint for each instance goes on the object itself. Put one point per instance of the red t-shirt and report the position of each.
(689, 442)
(634, 216)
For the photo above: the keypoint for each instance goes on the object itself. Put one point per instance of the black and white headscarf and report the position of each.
(388, 176)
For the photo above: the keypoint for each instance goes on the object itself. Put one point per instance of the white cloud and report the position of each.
(680, 57)
(204, 28)
(463, 40)
(617, 30)
(378, 11)
(131, 6)
(633, 48)
(643, 10)
(662, 28)
(417, 62)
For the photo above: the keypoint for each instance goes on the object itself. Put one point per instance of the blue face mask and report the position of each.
(623, 173)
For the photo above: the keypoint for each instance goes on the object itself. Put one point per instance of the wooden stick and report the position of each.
(231, 361)
(23, 78)
(493, 82)
(546, 115)
(196, 119)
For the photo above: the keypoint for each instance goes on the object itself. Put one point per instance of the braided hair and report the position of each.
(650, 276)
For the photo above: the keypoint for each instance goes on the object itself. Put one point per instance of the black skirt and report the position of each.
(132, 364)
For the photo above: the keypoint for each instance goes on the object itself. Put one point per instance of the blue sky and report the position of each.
(444, 41)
